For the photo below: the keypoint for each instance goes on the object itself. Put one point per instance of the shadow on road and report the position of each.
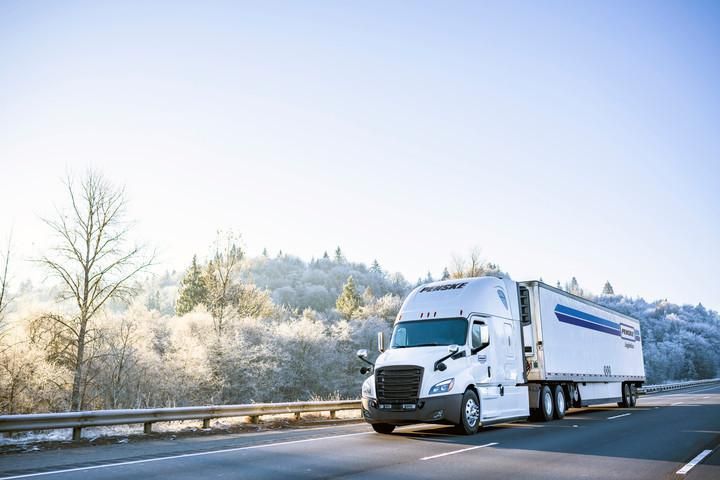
(665, 434)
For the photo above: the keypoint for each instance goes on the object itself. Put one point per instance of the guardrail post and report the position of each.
(332, 414)
(254, 418)
(206, 423)
(147, 427)
(77, 434)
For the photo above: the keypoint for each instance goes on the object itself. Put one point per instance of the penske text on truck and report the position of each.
(478, 351)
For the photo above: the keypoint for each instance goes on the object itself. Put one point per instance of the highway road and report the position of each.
(653, 441)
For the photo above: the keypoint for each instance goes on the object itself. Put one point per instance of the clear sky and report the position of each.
(563, 138)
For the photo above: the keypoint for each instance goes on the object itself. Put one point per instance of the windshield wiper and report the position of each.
(425, 345)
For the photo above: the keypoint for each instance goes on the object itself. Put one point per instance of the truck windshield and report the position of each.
(425, 333)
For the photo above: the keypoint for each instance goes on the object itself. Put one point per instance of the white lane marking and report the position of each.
(621, 415)
(705, 397)
(676, 403)
(459, 451)
(688, 466)
(185, 455)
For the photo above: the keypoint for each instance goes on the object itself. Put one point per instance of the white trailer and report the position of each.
(478, 351)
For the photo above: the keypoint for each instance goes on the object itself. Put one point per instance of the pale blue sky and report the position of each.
(563, 138)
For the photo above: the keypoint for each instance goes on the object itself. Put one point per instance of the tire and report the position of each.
(626, 396)
(560, 402)
(469, 414)
(633, 396)
(547, 404)
(384, 428)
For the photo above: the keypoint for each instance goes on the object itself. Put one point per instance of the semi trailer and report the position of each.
(478, 351)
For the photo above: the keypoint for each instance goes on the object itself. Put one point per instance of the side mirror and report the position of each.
(363, 353)
(453, 348)
(381, 342)
(484, 334)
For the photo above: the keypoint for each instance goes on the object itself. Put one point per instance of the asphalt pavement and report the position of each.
(655, 440)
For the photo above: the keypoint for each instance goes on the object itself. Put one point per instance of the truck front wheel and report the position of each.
(469, 414)
(385, 428)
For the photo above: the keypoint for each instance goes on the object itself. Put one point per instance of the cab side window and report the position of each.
(480, 336)
(476, 341)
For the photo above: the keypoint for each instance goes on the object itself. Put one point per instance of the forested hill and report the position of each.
(679, 341)
(223, 331)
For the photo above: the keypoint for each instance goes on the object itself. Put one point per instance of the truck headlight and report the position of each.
(442, 387)
(368, 388)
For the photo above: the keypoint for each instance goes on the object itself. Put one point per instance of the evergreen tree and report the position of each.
(574, 288)
(193, 289)
(265, 253)
(375, 268)
(368, 296)
(608, 289)
(339, 258)
(349, 301)
(429, 278)
(445, 274)
(153, 301)
(326, 256)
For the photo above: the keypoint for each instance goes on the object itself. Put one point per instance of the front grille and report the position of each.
(398, 384)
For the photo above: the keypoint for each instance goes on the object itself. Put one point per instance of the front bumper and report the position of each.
(442, 409)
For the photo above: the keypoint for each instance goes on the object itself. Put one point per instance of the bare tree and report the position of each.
(473, 266)
(221, 272)
(4, 288)
(458, 267)
(92, 261)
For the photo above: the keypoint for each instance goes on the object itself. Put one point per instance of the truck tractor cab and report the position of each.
(455, 357)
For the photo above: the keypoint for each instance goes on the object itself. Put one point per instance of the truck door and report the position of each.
(510, 362)
(486, 373)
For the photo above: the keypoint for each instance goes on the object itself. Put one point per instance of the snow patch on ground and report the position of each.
(122, 432)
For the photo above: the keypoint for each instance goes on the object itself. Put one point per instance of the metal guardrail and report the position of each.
(97, 418)
(674, 386)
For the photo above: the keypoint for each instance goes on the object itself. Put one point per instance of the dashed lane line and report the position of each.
(688, 466)
(459, 451)
(618, 416)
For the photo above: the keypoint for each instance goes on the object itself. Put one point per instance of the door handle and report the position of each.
(489, 374)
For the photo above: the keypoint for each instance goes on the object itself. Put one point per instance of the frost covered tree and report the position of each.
(608, 289)
(251, 301)
(339, 257)
(193, 289)
(349, 301)
(445, 274)
(219, 277)
(4, 289)
(574, 287)
(93, 262)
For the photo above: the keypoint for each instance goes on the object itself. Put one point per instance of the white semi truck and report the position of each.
(478, 351)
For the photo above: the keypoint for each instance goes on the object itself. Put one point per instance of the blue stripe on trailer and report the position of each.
(571, 312)
(582, 323)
